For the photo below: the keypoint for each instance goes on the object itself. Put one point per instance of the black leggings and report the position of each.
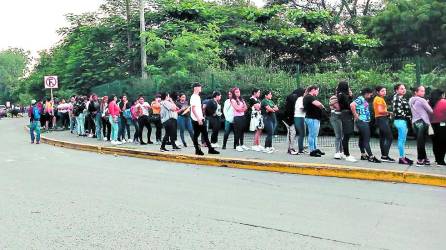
(364, 137)
(144, 121)
(385, 135)
(438, 142)
(106, 128)
(347, 130)
(156, 120)
(239, 129)
(214, 123)
(421, 131)
(170, 127)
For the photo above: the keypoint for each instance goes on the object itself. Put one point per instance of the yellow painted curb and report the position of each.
(316, 169)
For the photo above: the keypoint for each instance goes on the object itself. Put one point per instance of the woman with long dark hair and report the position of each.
(239, 106)
(269, 109)
(383, 122)
(401, 111)
(344, 97)
(438, 122)
(299, 119)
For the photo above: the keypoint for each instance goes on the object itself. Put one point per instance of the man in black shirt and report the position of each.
(313, 109)
(212, 111)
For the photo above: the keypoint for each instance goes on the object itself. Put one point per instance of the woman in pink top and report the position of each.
(239, 108)
(113, 110)
(438, 122)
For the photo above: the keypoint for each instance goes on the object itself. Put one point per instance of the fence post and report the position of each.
(418, 70)
(298, 76)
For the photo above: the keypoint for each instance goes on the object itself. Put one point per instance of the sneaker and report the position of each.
(268, 150)
(157, 142)
(255, 148)
(239, 148)
(364, 158)
(105, 138)
(427, 162)
(143, 143)
(164, 149)
(215, 145)
(199, 152)
(404, 161)
(292, 152)
(350, 158)
(420, 163)
(314, 153)
(37, 142)
(261, 148)
(90, 136)
(245, 147)
(441, 164)
(373, 159)
(387, 159)
(129, 140)
(114, 142)
(119, 143)
(149, 142)
(337, 156)
(213, 152)
(320, 152)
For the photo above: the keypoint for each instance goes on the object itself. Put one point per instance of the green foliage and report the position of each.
(13, 64)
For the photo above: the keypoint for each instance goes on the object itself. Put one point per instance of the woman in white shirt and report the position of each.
(299, 119)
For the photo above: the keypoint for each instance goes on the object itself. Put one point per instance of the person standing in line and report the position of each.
(212, 110)
(401, 111)
(256, 119)
(184, 121)
(134, 120)
(239, 106)
(383, 122)
(113, 110)
(269, 109)
(49, 114)
(155, 118)
(34, 117)
(94, 108)
(361, 114)
(421, 112)
(125, 119)
(71, 114)
(299, 119)
(336, 123)
(79, 109)
(288, 121)
(438, 122)
(63, 109)
(143, 119)
(198, 121)
(344, 96)
(313, 116)
(168, 115)
(106, 125)
(228, 112)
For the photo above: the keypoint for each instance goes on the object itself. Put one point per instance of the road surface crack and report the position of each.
(289, 232)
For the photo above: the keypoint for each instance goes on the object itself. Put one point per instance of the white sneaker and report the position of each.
(105, 138)
(245, 147)
(350, 159)
(90, 136)
(129, 140)
(343, 156)
(239, 149)
(337, 156)
(255, 148)
(114, 142)
(157, 143)
(215, 145)
(268, 150)
(261, 148)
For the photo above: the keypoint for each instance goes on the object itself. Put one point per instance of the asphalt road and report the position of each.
(55, 198)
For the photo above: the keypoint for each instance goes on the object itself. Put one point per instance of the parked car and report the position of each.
(3, 111)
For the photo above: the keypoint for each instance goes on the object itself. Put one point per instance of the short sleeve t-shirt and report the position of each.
(362, 108)
(211, 108)
(195, 103)
(265, 102)
(379, 101)
(312, 111)
(299, 107)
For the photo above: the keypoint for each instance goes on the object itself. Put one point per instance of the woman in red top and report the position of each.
(438, 122)
(113, 110)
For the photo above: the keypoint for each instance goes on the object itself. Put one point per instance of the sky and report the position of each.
(32, 24)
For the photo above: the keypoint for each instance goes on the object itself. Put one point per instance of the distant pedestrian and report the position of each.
(256, 120)
(382, 120)
(168, 116)
(269, 109)
(240, 107)
(345, 98)
(402, 116)
(113, 110)
(299, 119)
(35, 114)
(228, 112)
(313, 116)
(156, 119)
(184, 121)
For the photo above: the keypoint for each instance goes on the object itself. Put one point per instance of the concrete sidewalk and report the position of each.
(279, 156)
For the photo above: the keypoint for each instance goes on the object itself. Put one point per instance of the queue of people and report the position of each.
(110, 119)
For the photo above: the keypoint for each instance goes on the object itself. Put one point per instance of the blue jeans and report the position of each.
(35, 126)
(114, 128)
(98, 125)
(124, 125)
(229, 126)
(299, 124)
(73, 124)
(80, 124)
(136, 125)
(313, 131)
(184, 122)
(401, 126)
(270, 123)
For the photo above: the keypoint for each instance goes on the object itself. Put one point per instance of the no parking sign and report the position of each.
(51, 82)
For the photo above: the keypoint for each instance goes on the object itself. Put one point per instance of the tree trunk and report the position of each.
(129, 37)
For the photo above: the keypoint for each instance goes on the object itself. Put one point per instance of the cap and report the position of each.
(33, 102)
(196, 84)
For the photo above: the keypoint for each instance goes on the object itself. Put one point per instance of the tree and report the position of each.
(13, 66)
(409, 28)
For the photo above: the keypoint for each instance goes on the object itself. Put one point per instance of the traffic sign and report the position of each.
(51, 82)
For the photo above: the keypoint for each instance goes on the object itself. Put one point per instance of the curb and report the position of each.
(315, 169)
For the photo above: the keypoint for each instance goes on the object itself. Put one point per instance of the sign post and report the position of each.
(51, 83)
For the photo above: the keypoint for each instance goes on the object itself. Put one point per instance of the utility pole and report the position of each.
(142, 24)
